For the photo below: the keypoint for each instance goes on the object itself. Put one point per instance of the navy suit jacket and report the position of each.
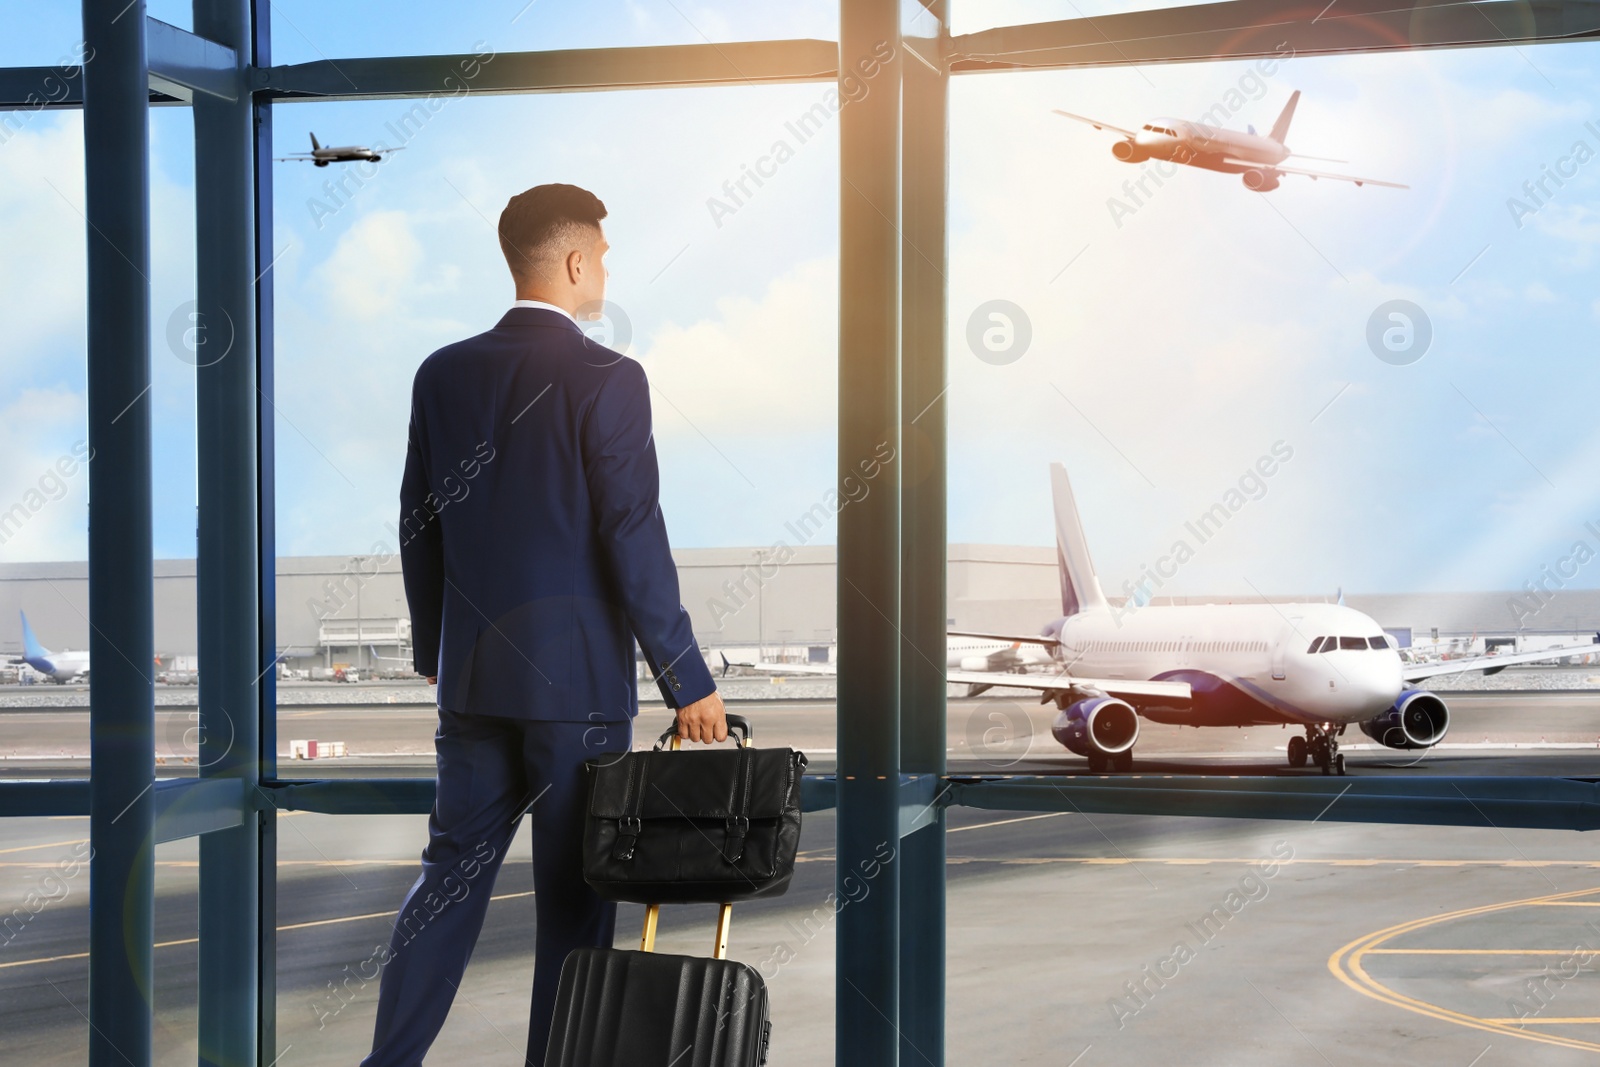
(531, 537)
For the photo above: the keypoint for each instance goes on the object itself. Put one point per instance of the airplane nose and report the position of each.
(1377, 686)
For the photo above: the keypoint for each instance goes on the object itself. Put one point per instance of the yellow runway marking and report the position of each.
(1471, 951)
(48, 844)
(1346, 965)
(394, 912)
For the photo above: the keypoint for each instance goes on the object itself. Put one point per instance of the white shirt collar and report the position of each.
(543, 304)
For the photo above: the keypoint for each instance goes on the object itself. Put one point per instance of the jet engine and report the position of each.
(1099, 726)
(1129, 152)
(1418, 719)
(976, 663)
(1262, 181)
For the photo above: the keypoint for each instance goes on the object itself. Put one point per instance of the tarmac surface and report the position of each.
(1071, 940)
(388, 731)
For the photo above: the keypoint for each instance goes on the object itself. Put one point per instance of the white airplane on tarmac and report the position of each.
(1257, 159)
(63, 666)
(1321, 667)
(322, 155)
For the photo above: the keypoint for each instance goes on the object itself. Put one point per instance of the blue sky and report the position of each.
(1171, 348)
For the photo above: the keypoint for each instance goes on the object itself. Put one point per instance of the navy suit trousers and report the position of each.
(492, 769)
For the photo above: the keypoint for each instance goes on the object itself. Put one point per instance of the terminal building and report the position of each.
(350, 611)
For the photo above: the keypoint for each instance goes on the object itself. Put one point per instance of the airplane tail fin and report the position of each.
(1280, 129)
(1080, 588)
(314, 144)
(31, 648)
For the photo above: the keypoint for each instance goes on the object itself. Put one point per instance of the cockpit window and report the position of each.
(1352, 642)
(1377, 642)
(1316, 646)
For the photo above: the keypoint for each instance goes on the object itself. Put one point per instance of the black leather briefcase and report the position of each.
(684, 827)
(621, 1008)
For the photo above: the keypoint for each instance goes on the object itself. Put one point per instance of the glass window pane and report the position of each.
(303, 32)
(1266, 467)
(723, 275)
(40, 35)
(1444, 936)
(342, 880)
(177, 951)
(971, 18)
(44, 524)
(44, 938)
(44, 486)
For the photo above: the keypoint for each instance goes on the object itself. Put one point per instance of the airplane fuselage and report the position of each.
(1196, 144)
(60, 666)
(977, 654)
(1246, 664)
(349, 154)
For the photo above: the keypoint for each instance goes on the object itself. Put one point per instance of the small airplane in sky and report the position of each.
(322, 156)
(1256, 159)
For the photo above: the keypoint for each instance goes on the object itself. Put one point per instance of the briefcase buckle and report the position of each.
(630, 827)
(737, 826)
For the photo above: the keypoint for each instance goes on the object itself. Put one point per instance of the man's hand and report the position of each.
(704, 720)
(433, 679)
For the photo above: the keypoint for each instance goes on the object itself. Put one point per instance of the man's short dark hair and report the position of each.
(540, 226)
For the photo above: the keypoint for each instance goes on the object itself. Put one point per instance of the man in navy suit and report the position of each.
(535, 555)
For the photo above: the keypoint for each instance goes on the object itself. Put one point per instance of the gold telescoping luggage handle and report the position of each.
(652, 912)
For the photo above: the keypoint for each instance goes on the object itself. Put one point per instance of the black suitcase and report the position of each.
(625, 1008)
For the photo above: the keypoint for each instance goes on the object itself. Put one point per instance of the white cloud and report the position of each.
(37, 430)
(757, 366)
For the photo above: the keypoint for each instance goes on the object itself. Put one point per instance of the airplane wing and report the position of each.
(1126, 687)
(1415, 672)
(1312, 174)
(1129, 687)
(1096, 123)
(1015, 639)
(297, 157)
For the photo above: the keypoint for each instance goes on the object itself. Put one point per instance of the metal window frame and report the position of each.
(892, 783)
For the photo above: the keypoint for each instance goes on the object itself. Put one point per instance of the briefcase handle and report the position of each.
(735, 722)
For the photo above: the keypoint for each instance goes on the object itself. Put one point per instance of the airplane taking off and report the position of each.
(1321, 667)
(63, 666)
(348, 154)
(1257, 159)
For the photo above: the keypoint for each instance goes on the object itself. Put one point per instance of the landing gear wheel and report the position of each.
(1297, 751)
(1099, 763)
(1325, 768)
(1122, 761)
(1338, 764)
